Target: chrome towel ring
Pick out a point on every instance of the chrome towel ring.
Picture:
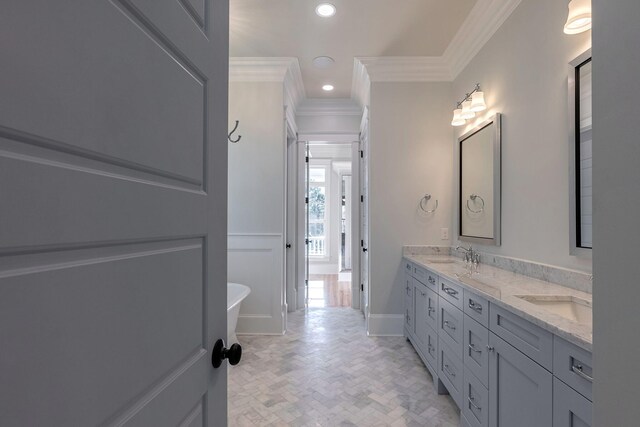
(474, 198)
(424, 201)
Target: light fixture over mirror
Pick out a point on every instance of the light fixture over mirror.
(466, 109)
(579, 19)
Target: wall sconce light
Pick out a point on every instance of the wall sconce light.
(579, 19)
(467, 108)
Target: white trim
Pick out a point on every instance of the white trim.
(485, 18)
(345, 137)
(329, 107)
(385, 325)
(406, 68)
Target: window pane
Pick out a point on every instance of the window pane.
(317, 174)
(316, 229)
(317, 200)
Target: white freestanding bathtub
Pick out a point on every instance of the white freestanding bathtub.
(235, 294)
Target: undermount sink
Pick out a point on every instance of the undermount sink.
(569, 307)
(441, 261)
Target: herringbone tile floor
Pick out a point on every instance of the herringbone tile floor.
(326, 372)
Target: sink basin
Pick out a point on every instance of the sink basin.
(569, 307)
(441, 261)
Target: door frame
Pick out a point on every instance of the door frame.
(352, 139)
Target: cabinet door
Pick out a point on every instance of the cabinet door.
(476, 356)
(520, 390)
(408, 304)
(420, 295)
(570, 408)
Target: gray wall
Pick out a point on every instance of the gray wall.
(410, 154)
(523, 72)
(616, 153)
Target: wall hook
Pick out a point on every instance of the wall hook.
(231, 133)
(424, 201)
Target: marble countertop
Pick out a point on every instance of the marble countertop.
(502, 287)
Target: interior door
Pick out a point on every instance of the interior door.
(290, 224)
(306, 226)
(113, 180)
(364, 219)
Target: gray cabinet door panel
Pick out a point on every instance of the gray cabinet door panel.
(113, 176)
(421, 326)
(574, 366)
(432, 309)
(450, 371)
(520, 390)
(570, 408)
(475, 401)
(409, 304)
(530, 339)
(476, 355)
(451, 328)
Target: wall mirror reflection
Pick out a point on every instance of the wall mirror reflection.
(480, 182)
(581, 163)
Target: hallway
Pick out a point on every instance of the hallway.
(326, 372)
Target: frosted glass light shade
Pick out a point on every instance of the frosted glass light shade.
(457, 120)
(477, 102)
(466, 111)
(579, 18)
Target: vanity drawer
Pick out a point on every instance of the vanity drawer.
(450, 371)
(574, 366)
(408, 267)
(419, 273)
(475, 401)
(450, 328)
(451, 292)
(433, 281)
(476, 355)
(530, 339)
(476, 307)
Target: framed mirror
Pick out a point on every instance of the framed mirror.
(480, 183)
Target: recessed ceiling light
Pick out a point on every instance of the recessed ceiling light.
(326, 10)
(323, 62)
(327, 88)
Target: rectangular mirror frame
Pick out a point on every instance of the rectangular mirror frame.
(496, 122)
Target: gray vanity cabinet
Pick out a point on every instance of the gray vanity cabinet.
(570, 408)
(409, 306)
(520, 390)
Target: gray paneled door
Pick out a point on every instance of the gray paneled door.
(113, 180)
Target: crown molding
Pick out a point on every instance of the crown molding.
(280, 70)
(485, 18)
(405, 68)
(329, 107)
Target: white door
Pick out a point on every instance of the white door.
(113, 180)
(364, 219)
(290, 224)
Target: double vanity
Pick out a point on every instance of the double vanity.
(511, 350)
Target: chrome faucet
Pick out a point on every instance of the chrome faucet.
(471, 257)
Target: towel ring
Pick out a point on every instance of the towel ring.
(424, 201)
(473, 198)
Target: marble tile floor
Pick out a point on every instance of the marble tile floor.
(325, 371)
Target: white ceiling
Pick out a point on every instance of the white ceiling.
(290, 28)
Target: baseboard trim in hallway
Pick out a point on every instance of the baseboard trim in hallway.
(325, 371)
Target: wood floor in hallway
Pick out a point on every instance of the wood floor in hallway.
(327, 290)
(325, 371)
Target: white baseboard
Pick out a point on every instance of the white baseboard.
(260, 325)
(385, 325)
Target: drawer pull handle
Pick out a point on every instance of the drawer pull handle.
(450, 291)
(474, 349)
(446, 369)
(449, 325)
(578, 370)
(475, 306)
(470, 399)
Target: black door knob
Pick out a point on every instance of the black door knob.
(288, 245)
(364, 249)
(220, 352)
